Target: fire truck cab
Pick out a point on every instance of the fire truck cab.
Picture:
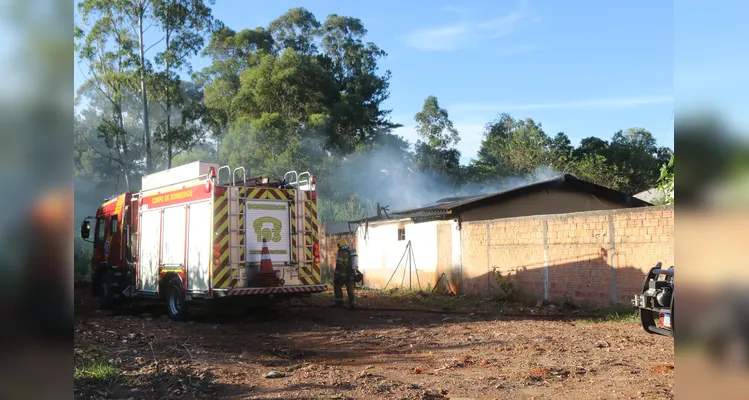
(195, 233)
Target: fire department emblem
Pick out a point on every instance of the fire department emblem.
(269, 234)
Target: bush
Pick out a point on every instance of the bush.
(506, 285)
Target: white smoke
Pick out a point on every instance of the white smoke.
(384, 177)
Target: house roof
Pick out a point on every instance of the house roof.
(457, 204)
(651, 195)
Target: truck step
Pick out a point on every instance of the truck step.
(664, 332)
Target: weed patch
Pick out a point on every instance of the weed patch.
(98, 373)
(614, 314)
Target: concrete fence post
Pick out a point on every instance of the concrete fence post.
(488, 263)
(545, 227)
(612, 257)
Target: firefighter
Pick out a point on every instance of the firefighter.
(344, 275)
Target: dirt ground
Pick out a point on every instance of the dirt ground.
(318, 352)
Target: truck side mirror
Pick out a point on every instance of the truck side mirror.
(85, 229)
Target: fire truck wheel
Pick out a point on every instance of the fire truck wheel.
(177, 309)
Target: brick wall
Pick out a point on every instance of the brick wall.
(594, 258)
(329, 246)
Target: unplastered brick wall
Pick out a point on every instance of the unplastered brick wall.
(589, 258)
(329, 245)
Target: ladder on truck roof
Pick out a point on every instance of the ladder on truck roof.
(303, 181)
(240, 262)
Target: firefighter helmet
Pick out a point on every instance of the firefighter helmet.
(342, 243)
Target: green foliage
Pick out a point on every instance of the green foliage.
(512, 148)
(434, 126)
(628, 163)
(331, 91)
(506, 286)
(99, 373)
(614, 314)
(434, 152)
(205, 152)
(594, 168)
(351, 210)
(666, 182)
(299, 95)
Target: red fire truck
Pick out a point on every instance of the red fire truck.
(194, 234)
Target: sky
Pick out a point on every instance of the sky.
(582, 67)
(711, 65)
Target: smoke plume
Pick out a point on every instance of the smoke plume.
(387, 177)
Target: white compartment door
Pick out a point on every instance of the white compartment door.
(148, 259)
(269, 220)
(199, 245)
(173, 237)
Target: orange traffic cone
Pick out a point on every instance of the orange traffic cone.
(266, 276)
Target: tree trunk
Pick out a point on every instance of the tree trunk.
(123, 155)
(168, 104)
(144, 95)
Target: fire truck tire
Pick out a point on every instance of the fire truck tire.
(647, 319)
(177, 308)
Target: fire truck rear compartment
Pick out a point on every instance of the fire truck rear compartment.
(188, 238)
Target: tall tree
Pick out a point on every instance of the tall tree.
(232, 53)
(326, 72)
(561, 145)
(513, 148)
(105, 47)
(594, 168)
(139, 12)
(594, 145)
(636, 148)
(353, 64)
(434, 151)
(184, 23)
(296, 29)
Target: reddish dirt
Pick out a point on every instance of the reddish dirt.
(339, 354)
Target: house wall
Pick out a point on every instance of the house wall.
(595, 258)
(380, 253)
(540, 203)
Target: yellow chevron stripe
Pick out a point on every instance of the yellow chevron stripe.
(223, 228)
(221, 208)
(220, 214)
(220, 276)
(311, 210)
(120, 202)
(252, 193)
